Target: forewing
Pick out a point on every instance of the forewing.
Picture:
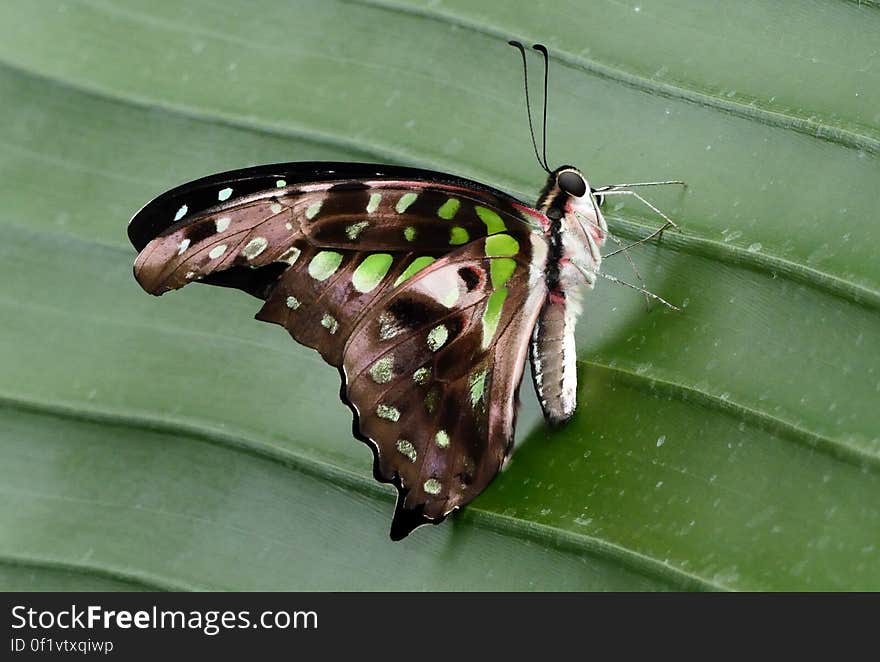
(325, 238)
(243, 228)
(237, 187)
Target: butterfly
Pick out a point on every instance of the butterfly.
(429, 292)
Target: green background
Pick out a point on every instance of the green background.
(175, 443)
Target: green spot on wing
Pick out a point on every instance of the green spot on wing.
(373, 204)
(313, 209)
(371, 271)
(405, 201)
(501, 245)
(324, 264)
(491, 219)
(478, 386)
(409, 233)
(458, 235)
(451, 297)
(448, 209)
(501, 269)
(414, 267)
(492, 314)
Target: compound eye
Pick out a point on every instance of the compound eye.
(572, 183)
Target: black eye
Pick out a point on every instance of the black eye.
(572, 183)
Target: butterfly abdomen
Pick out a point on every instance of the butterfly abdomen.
(554, 359)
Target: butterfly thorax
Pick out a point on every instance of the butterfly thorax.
(575, 234)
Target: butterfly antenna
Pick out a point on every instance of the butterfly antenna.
(543, 50)
(522, 52)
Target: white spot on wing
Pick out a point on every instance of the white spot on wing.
(254, 247)
(437, 337)
(422, 375)
(291, 255)
(432, 486)
(180, 213)
(182, 246)
(330, 323)
(442, 439)
(388, 412)
(217, 251)
(382, 371)
(388, 327)
(353, 230)
(224, 194)
(406, 448)
(222, 223)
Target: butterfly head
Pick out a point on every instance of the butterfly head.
(571, 181)
(568, 193)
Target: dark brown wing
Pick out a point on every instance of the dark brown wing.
(401, 286)
(433, 373)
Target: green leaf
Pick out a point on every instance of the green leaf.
(176, 443)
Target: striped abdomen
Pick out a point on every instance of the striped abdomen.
(554, 359)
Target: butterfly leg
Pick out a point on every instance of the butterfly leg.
(614, 279)
(621, 248)
(644, 240)
(669, 223)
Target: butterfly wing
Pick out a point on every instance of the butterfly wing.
(236, 188)
(422, 288)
